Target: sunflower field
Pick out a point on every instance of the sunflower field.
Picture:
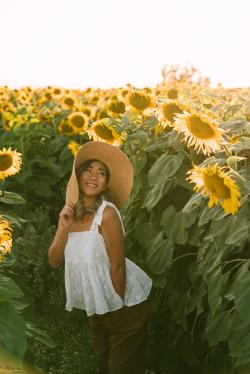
(187, 221)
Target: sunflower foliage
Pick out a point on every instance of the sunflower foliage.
(187, 221)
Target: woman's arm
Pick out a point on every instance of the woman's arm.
(56, 250)
(111, 230)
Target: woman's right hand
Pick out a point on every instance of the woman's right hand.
(66, 217)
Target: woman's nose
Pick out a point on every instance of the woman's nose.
(93, 174)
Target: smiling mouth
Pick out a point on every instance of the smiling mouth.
(91, 185)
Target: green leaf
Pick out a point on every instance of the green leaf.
(161, 178)
(12, 330)
(239, 340)
(210, 214)
(157, 192)
(194, 203)
(174, 225)
(165, 168)
(241, 289)
(160, 254)
(151, 122)
(139, 161)
(13, 218)
(217, 327)
(39, 335)
(11, 198)
(9, 289)
(239, 235)
(144, 233)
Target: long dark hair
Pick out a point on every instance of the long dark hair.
(80, 211)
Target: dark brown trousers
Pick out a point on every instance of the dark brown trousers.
(120, 339)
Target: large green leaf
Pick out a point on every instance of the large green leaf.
(12, 330)
(144, 232)
(195, 202)
(11, 198)
(175, 225)
(241, 289)
(9, 289)
(240, 234)
(239, 332)
(157, 192)
(160, 253)
(217, 327)
(139, 161)
(39, 335)
(165, 168)
(210, 214)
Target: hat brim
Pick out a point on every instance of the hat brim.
(121, 171)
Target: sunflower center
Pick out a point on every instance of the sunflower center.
(104, 132)
(139, 101)
(216, 185)
(78, 120)
(199, 128)
(169, 110)
(57, 91)
(117, 107)
(67, 129)
(172, 94)
(6, 162)
(69, 101)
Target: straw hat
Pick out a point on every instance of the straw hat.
(121, 171)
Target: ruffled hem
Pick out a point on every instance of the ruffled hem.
(89, 287)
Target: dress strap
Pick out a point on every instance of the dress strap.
(99, 214)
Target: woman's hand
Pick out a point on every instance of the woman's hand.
(66, 217)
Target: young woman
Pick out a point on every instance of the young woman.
(98, 277)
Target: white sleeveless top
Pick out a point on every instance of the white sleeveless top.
(88, 281)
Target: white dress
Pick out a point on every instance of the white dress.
(88, 281)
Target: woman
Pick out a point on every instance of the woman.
(98, 278)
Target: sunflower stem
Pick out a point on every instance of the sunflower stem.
(185, 255)
(236, 260)
(228, 152)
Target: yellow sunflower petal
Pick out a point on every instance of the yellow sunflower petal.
(10, 162)
(5, 238)
(213, 182)
(102, 131)
(199, 131)
(73, 147)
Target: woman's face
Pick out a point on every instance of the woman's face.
(93, 180)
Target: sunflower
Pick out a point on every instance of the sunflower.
(117, 106)
(68, 101)
(10, 162)
(214, 182)
(5, 237)
(73, 147)
(199, 131)
(101, 130)
(57, 93)
(172, 93)
(66, 128)
(140, 100)
(78, 120)
(87, 110)
(170, 109)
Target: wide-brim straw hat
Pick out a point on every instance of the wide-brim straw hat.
(121, 171)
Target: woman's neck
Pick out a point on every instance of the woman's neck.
(88, 202)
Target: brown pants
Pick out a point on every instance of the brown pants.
(120, 339)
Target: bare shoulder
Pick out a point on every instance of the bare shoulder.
(110, 215)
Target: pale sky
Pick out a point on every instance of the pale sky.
(108, 43)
